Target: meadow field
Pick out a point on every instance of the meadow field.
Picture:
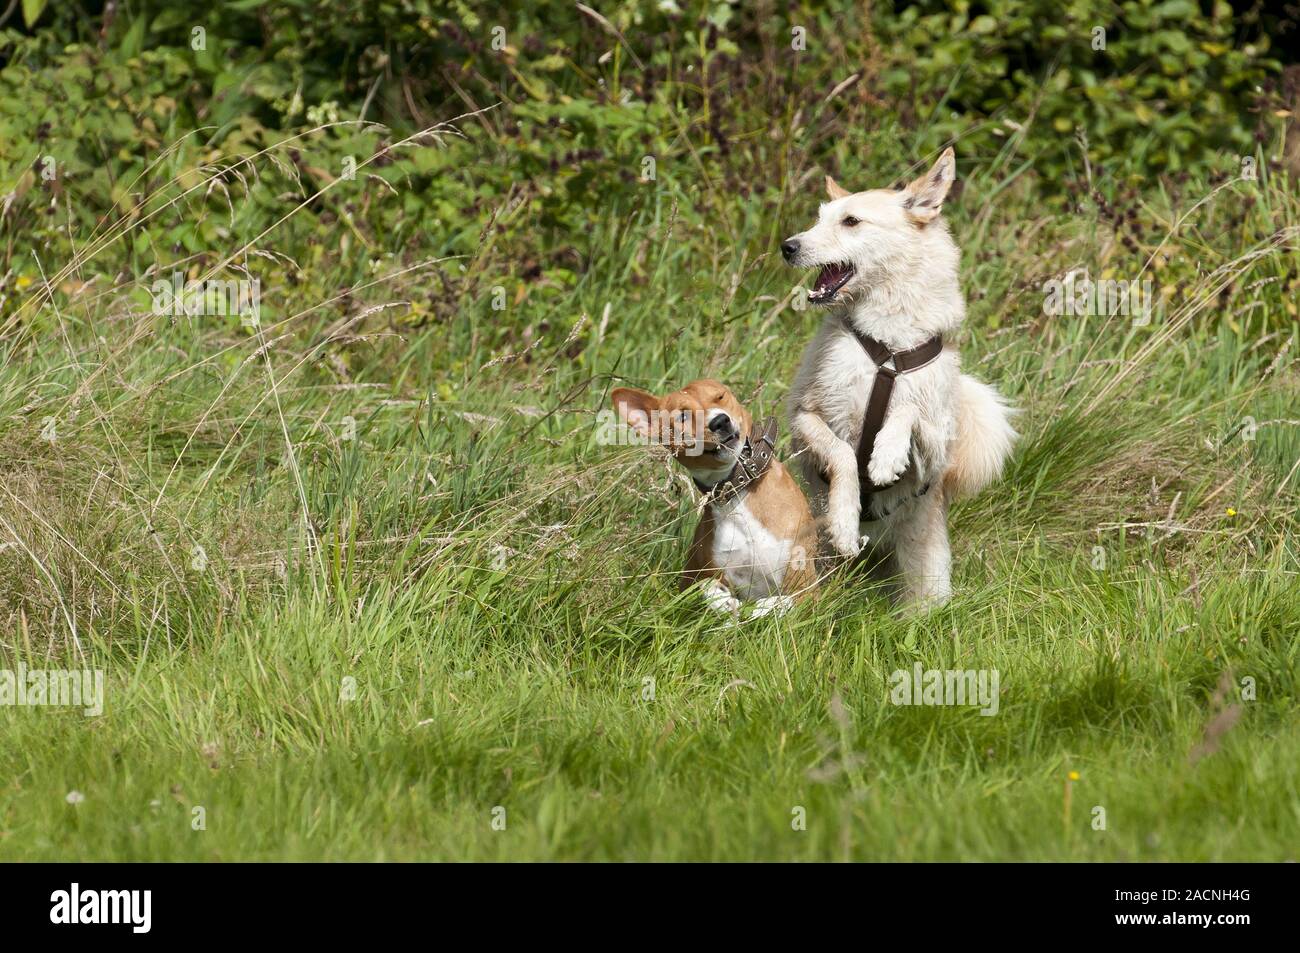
(366, 580)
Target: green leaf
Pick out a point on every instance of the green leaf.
(133, 42)
(32, 10)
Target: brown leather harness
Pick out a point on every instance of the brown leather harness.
(889, 364)
(751, 464)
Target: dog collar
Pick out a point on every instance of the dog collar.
(889, 364)
(751, 464)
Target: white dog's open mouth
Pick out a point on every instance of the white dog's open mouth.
(829, 281)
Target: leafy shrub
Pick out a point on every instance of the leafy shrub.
(565, 109)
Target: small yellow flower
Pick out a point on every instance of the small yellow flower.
(22, 282)
(1231, 511)
(1073, 775)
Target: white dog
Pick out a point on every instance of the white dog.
(889, 278)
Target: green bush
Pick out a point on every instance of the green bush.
(1162, 85)
(139, 124)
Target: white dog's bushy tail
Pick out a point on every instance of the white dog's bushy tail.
(983, 441)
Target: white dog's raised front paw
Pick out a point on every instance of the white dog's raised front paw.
(844, 535)
(887, 465)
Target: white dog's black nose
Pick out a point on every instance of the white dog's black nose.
(790, 248)
(721, 425)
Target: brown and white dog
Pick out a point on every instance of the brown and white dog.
(756, 539)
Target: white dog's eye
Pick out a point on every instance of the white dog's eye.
(849, 221)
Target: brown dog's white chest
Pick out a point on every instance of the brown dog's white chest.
(752, 558)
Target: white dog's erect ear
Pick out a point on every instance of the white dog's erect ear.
(834, 190)
(635, 407)
(925, 195)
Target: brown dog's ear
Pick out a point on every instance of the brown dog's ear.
(635, 407)
(925, 195)
(834, 190)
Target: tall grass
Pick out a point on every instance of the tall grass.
(356, 582)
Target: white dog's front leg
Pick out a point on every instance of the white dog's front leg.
(893, 447)
(837, 460)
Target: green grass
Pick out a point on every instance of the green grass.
(497, 586)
